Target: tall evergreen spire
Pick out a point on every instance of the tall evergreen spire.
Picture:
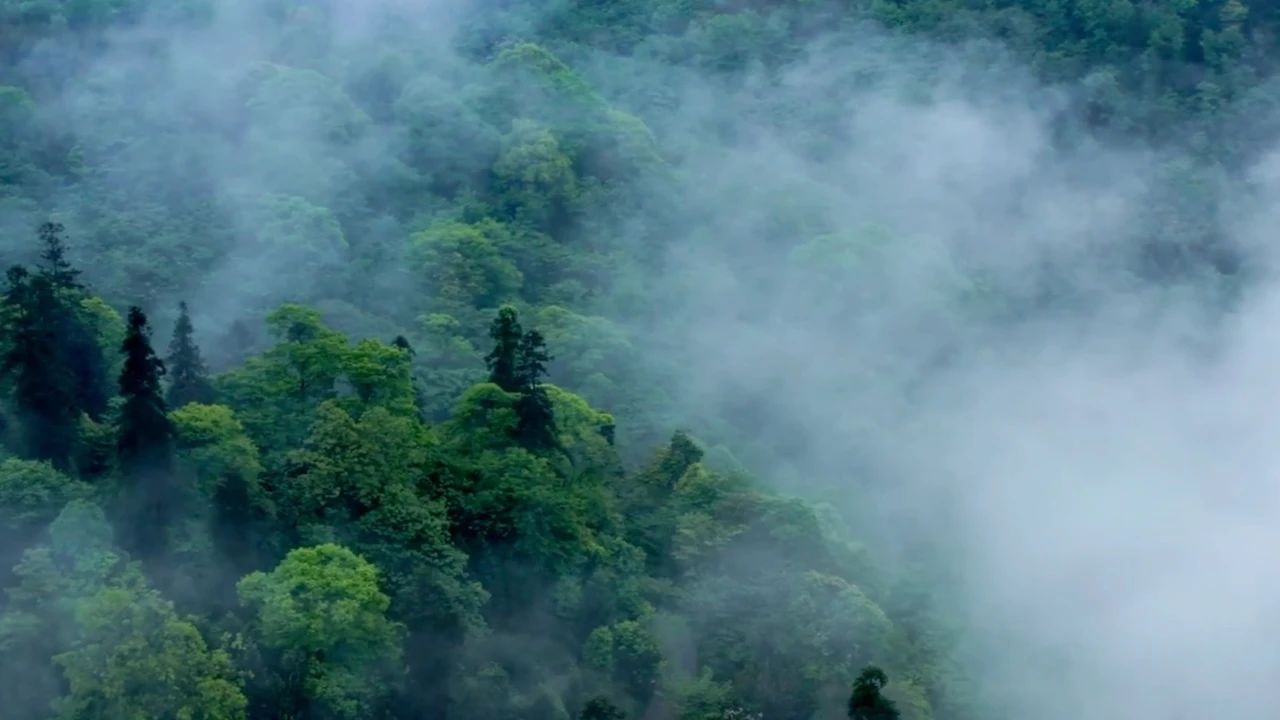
(188, 377)
(144, 445)
(503, 360)
(54, 255)
(536, 426)
(517, 364)
(44, 388)
(145, 432)
(78, 350)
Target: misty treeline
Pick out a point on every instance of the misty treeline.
(372, 232)
(290, 539)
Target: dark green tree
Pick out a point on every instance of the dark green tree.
(867, 703)
(599, 708)
(79, 351)
(536, 425)
(504, 360)
(188, 376)
(144, 443)
(44, 392)
(54, 255)
(146, 435)
(531, 361)
(419, 397)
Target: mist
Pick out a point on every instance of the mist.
(1097, 466)
(897, 276)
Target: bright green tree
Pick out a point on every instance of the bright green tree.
(321, 621)
(134, 659)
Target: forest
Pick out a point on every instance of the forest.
(579, 359)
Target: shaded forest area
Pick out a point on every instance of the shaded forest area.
(347, 488)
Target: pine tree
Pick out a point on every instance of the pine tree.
(79, 352)
(517, 364)
(144, 445)
(536, 425)
(188, 376)
(44, 392)
(145, 436)
(504, 359)
(54, 254)
(867, 703)
(531, 360)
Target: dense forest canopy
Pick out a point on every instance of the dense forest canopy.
(677, 360)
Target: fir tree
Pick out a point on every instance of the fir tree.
(144, 445)
(536, 425)
(44, 392)
(79, 352)
(146, 435)
(54, 255)
(503, 361)
(867, 703)
(517, 364)
(531, 360)
(188, 376)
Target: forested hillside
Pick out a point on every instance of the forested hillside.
(484, 359)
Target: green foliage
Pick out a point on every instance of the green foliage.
(188, 377)
(463, 268)
(451, 535)
(322, 617)
(52, 582)
(32, 493)
(145, 430)
(214, 450)
(276, 393)
(45, 388)
(150, 504)
(867, 702)
(135, 659)
(533, 177)
(504, 359)
(356, 480)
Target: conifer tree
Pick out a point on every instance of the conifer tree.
(146, 435)
(531, 360)
(79, 352)
(503, 361)
(536, 426)
(517, 364)
(43, 387)
(188, 376)
(144, 444)
(54, 255)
